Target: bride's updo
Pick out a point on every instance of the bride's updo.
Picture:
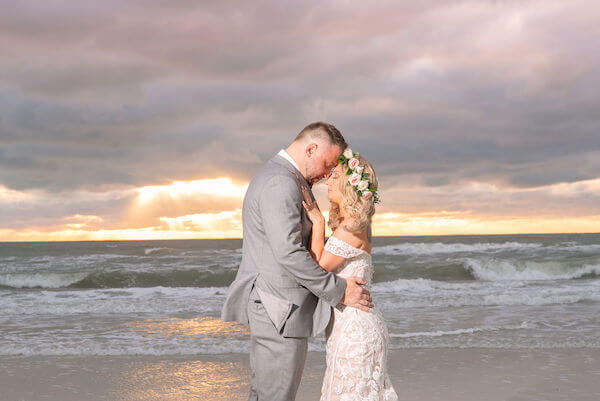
(359, 208)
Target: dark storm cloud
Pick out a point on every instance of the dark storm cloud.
(101, 95)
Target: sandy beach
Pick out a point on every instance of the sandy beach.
(418, 374)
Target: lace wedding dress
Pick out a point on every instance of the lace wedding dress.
(357, 341)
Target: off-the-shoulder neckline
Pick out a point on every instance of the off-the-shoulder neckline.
(351, 246)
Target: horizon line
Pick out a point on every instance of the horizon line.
(241, 238)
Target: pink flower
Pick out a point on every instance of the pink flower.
(353, 163)
(367, 194)
(354, 179)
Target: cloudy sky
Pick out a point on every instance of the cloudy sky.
(147, 119)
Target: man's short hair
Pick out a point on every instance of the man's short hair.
(323, 130)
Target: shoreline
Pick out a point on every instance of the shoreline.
(427, 374)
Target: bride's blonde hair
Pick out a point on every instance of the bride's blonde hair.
(357, 207)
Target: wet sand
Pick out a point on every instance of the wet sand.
(417, 374)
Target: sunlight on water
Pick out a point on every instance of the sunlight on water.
(207, 326)
(179, 381)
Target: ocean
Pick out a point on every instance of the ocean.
(165, 297)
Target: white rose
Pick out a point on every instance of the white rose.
(359, 169)
(354, 179)
(348, 153)
(367, 194)
(353, 163)
(362, 185)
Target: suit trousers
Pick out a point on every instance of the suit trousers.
(276, 362)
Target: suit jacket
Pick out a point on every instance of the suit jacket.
(296, 292)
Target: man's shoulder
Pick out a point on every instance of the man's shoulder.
(270, 166)
(274, 172)
(273, 177)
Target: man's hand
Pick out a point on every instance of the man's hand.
(356, 296)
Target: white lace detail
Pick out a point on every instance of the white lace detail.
(357, 341)
(342, 248)
(357, 263)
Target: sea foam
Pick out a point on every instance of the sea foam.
(423, 248)
(501, 269)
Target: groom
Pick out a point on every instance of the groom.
(280, 291)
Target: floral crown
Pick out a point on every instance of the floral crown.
(358, 179)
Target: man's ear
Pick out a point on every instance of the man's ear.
(311, 149)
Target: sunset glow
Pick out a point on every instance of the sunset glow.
(222, 187)
(135, 120)
(228, 223)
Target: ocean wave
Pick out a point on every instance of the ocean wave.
(424, 293)
(499, 270)
(226, 252)
(40, 280)
(572, 247)
(158, 251)
(489, 269)
(162, 251)
(163, 336)
(471, 330)
(53, 262)
(423, 248)
(193, 346)
(112, 302)
(118, 279)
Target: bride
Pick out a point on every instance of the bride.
(357, 341)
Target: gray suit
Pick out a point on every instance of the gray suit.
(279, 291)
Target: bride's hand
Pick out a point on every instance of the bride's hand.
(312, 209)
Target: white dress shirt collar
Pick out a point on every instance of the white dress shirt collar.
(286, 156)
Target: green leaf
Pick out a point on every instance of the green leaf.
(348, 172)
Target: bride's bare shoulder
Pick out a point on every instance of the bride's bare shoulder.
(356, 239)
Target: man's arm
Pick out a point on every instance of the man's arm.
(280, 208)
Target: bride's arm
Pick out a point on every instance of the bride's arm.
(326, 260)
(317, 239)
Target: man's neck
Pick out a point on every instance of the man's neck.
(294, 154)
